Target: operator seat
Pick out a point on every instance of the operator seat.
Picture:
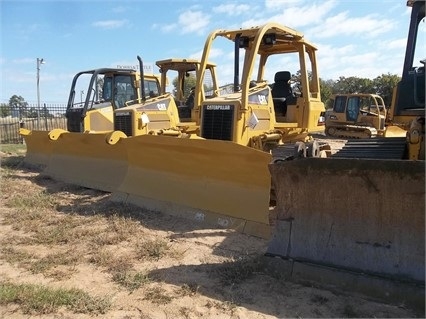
(281, 92)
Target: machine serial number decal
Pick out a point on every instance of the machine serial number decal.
(162, 106)
(260, 98)
(218, 107)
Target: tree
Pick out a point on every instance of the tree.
(188, 84)
(5, 110)
(384, 85)
(18, 106)
(326, 92)
(353, 84)
(296, 81)
(32, 112)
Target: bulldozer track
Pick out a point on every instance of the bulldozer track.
(379, 148)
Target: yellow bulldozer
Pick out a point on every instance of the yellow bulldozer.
(356, 115)
(170, 114)
(105, 90)
(362, 210)
(215, 166)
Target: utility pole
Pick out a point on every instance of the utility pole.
(39, 61)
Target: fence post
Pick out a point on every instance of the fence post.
(45, 116)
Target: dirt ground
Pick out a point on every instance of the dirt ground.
(144, 264)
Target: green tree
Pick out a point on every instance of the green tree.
(326, 92)
(384, 85)
(32, 112)
(5, 110)
(296, 81)
(18, 104)
(353, 84)
(188, 84)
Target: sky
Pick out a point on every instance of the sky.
(361, 38)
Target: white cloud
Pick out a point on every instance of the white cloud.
(119, 9)
(193, 21)
(214, 53)
(297, 16)
(394, 44)
(169, 27)
(24, 61)
(188, 22)
(109, 24)
(342, 24)
(278, 4)
(232, 9)
(359, 61)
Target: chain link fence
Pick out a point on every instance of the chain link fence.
(47, 118)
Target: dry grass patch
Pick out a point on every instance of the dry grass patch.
(118, 229)
(38, 201)
(101, 257)
(38, 299)
(109, 260)
(188, 289)
(14, 256)
(157, 295)
(153, 249)
(45, 264)
(131, 280)
(239, 269)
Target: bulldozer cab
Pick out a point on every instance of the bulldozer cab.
(96, 93)
(184, 73)
(251, 114)
(169, 113)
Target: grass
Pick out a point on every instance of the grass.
(34, 202)
(189, 289)
(13, 148)
(238, 270)
(153, 249)
(39, 299)
(158, 296)
(131, 280)
(43, 265)
(9, 163)
(14, 256)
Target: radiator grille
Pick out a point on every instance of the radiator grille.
(218, 122)
(382, 123)
(123, 123)
(74, 120)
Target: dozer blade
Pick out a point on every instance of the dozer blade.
(39, 147)
(90, 160)
(214, 182)
(362, 215)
